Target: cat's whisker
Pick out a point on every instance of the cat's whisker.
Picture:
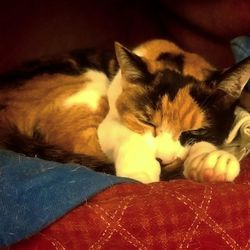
(232, 145)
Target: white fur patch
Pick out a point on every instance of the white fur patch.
(95, 87)
(168, 149)
(134, 154)
(205, 158)
(114, 91)
(135, 159)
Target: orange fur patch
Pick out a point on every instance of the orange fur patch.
(130, 121)
(194, 65)
(129, 118)
(180, 115)
(38, 104)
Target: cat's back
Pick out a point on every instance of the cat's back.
(160, 54)
(49, 92)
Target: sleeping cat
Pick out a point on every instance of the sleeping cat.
(138, 114)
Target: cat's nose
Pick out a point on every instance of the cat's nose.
(159, 160)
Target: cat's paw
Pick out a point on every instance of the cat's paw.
(216, 165)
(144, 172)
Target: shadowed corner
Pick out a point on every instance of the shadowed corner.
(172, 171)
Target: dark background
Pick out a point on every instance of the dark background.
(30, 29)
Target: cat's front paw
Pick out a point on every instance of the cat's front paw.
(215, 166)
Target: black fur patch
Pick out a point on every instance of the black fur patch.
(35, 146)
(37, 67)
(194, 136)
(169, 83)
(74, 63)
(176, 61)
(134, 61)
(167, 175)
(218, 111)
(95, 59)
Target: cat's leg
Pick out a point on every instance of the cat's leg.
(132, 153)
(207, 163)
(135, 159)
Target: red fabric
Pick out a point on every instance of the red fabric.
(179, 214)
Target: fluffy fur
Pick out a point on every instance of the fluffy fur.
(139, 114)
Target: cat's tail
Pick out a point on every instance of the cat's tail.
(12, 139)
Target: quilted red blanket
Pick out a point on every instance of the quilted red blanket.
(178, 214)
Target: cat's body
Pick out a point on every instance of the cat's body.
(150, 111)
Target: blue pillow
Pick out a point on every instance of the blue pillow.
(34, 193)
(241, 49)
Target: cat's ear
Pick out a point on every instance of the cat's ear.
(133, 68)
(233, 80)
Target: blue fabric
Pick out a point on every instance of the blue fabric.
(35, 192)
(241, 49)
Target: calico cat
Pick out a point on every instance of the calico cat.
(137, 114)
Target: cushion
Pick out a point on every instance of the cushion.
(177, 214)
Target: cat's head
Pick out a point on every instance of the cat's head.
(161, 98)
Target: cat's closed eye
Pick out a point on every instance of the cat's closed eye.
(150, 124)
(192, 136)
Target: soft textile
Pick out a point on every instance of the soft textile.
(34, 193)
(179, 214)
(238, 141)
